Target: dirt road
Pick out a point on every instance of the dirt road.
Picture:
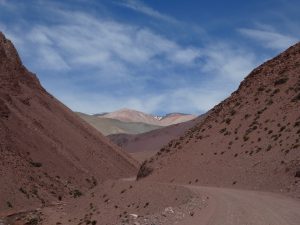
(241, 207)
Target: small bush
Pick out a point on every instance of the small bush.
(9, 205)
(223, 130)
(228, 120)
(36, 164)
(296, 98)
(76, 193)
(269, 148)
(281, 81)
(33, 221)
(246, 138)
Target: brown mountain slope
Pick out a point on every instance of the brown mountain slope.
(142, 146)
(46, 151)
(250, 140)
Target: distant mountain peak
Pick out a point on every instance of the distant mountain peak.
(132, 115)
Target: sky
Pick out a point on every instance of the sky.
(155, 56)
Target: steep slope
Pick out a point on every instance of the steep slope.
(129, 115)
(109, 126)
(250, 140)
(46, 152)
(141, 146)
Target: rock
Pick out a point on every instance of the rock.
(134, 216)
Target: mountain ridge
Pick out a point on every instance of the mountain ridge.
(249, 140)
(131, 115)
(47, 152)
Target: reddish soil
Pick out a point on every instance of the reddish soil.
(47, 152)
(251, 140)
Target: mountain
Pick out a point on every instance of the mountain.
(129, 115)
(250, 140)
(145, 145)
(47, 153)
(109, 126)
(176, 118)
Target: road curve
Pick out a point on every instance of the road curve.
(241, 207)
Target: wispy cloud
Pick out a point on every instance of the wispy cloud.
(134, 61)
(94, 63)
(112, 47)
(142, 8)
(269, 38)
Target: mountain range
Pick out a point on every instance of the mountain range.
(47, 152)
(239, 163)
(128, 121)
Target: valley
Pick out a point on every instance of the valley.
(238, 163)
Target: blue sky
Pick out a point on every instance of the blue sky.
(157, 56)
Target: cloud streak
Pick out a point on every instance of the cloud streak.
(269, 38)
(138, 6)
(95, 64)
(134, 61)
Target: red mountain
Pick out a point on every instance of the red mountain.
(46, 151)
(250, 140)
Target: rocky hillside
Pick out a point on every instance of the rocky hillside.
(47, 152)
(250, 140)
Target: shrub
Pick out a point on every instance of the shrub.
(223, 130)
(76, 193)
(247, 116)
(296, 98)
(246, 138)
(281, 81)
(36, 164)
(228, 120)
(33, 221)
(9, 205)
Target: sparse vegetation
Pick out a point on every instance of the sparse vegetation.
(9, 205)
(36, 164)
(76, 193)
(281, 81)
(33, 221)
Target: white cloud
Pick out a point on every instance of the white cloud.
(142, 8)
(50, 59)
(114, 57)
(230, 62)
(269, 38)
(83, 40)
